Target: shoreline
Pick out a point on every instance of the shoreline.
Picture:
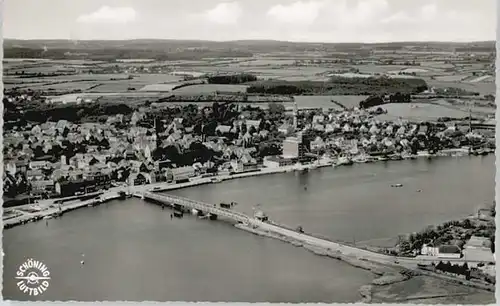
(112, 193)
(384, 274)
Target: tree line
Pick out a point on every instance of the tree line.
(454, 269)
(341, 86)
(372, 101)
(232, 79)
(40, 113)
(111, 54)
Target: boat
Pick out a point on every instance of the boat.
(397, 185)
(344, 161)
(216, 180)
(362, 158)
(178, 214)
(397, 157)
(482, 152)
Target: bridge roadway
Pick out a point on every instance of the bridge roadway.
(346, 250)
(206, 208)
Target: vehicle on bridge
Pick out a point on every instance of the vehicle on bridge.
(261, 216)
(225, 205)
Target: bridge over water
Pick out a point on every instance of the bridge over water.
(347, 250)
(204, 207)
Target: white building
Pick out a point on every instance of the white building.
(275, 162)
(182, 173)
(429, 250)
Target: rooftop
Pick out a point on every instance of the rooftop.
(449, 249)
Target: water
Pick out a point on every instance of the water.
(358, 203)
(134, 251)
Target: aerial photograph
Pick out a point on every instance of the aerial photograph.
(283, 151)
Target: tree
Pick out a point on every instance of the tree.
(404, 246)
(276, 109)
(243, 129)
(465, 268)
(466, 224)
(440, 266)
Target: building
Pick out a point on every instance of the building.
(252, 123)
(276, 162)
(478, 249)
(429, 250)
(182, 173)
(484, 214)
(42, 187)
(136, 179)
(10, 167)
(36, 165)
(296, 147)
(449, 251)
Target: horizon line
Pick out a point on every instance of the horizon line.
(253, 40)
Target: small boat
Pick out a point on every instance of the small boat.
(483, 152)
(216, 180)
(344, 161)
(397, 157)
(397, 185)
(178, 214)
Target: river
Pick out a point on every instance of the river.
(134, 251)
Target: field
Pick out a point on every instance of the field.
(209, 89)
(419, 111)
(315, 67)
(158, 87)
(410, 291)
(483, 88)
(326, 101)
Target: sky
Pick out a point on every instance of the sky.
(289, 20)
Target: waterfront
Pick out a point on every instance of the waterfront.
(357, 203)
(149, 256)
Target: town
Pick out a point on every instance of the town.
(77, 133)
(174, 144)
